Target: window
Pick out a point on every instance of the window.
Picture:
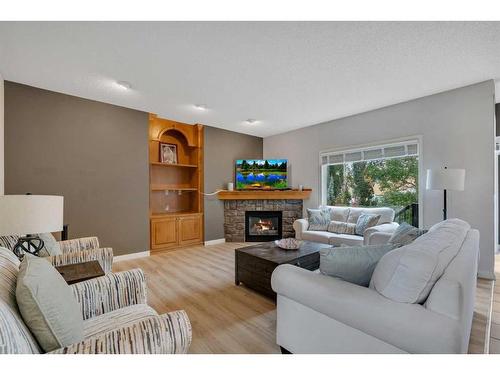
(384, 175)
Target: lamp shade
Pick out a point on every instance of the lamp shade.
(30, 214)
(445, 179)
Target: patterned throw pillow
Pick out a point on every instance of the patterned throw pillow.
(341, 227)
(366, 221)
(318, 218)
(405, 234)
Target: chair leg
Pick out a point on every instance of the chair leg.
(284, 351)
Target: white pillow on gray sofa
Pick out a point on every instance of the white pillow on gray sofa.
(409, 273)
(354, 264)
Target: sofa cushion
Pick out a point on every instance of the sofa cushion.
(366, 221)
(317, 236)
(354, 264)
(341, 227)
(47, 304)
(408, 274)
(110, 321)
(345, 239)
(405, 234)
(386, 214)
(318, 218)
(338, 213)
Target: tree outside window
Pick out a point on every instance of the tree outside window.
(385, 182)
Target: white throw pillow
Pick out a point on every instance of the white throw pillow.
(51, 246)
(409, 273)
(47, 304)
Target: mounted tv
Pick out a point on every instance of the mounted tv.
(253, 174)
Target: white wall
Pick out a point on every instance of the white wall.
(457, 130)
(1, 136)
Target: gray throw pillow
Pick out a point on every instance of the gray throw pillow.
(366, 221)
(318, 218)
(405, 234)
(354, 264)
(47, 304)
(51, 246)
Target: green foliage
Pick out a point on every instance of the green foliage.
(395, 180)
(395, 174)
(362, 187)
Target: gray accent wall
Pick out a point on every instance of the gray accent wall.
(94, 154)
(457, 128)
(222, 148)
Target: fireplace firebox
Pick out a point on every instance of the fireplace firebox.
(263, 226)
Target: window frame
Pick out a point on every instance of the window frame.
(417, 139)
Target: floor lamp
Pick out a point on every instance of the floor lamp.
(445, 179)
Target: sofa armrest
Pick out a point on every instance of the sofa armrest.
(388, 229)
(103, 256)
(110, 292)
(164, 334)
(300, 225)
(410, 327)
(79, 244)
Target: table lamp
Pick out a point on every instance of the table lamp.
(445, 179)
(27, 215)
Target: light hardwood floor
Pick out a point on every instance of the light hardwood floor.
(233, 319)
(495, 321)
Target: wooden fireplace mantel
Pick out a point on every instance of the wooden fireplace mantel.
(264, 194)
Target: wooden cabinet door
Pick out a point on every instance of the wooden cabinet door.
(163, 233)
(190, 229)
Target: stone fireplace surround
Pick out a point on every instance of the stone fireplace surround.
(234, 215)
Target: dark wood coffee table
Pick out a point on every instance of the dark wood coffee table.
(78, 272)
(255, 264)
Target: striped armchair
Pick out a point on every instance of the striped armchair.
(116, 317)
(73, 251)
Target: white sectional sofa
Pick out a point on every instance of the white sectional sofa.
(378, 234)
(322, 314)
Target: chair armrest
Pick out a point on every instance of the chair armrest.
(300, 225)
(377, 238)
(103, 256)
(388, 229)
(410, 327)
(110, 292)
(164, 334)
(79, 244)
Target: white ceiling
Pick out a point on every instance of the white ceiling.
(287, 75)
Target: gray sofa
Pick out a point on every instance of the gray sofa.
(378, 234)
(322, 314)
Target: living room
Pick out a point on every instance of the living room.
(249, 187)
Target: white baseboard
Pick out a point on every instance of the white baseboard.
(141, 254)
(215, 242)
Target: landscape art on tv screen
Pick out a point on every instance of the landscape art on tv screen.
(261, 174)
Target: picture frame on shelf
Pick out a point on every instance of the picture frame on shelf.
(168, 153)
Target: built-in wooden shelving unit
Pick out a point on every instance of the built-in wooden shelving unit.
(176, 200)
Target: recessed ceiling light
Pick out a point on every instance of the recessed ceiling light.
(201, 107)
(124, 85)
(251, 121)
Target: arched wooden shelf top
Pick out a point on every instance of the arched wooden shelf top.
(174, 132)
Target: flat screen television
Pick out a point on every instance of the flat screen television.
(253, 174)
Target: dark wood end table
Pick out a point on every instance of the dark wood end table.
(78, 272)
(255, 264)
